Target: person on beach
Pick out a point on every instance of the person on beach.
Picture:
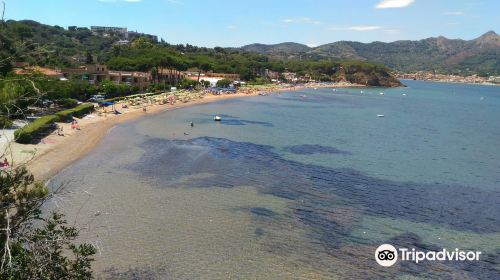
(76, 125)
(144, 109)
(60, 130)
(192, 124)
(4, 164)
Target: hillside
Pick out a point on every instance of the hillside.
(480, 55)
(277, 49)
(55, 46)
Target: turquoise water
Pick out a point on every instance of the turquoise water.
(297, 185)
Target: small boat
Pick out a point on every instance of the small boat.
(381, 93)
(404, 94)
(217, 119)
(361, 91)
(380, 116)
(302, 96)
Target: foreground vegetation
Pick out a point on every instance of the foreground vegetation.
(33, 246)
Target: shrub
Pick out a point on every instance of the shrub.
(45, 125)
(5, 122)
(36, 129)
(79, 111)
(67, 103)
(187, 84)
(224, 83)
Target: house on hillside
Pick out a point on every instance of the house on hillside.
(93, 73)
(211, 77)
(169, 75)
(271, 74)
(138, 79)
(290, 76)
(97, 73)
(106, 30)
(53, 73)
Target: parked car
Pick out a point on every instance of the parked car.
(96, 98)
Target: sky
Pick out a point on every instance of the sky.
(236, 23)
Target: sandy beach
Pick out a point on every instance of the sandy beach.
(54, 152)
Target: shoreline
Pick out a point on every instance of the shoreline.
(54, 153)
(452, 82)
(49, 162)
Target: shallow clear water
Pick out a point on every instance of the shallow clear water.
(289, 186)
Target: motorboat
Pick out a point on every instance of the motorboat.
(380, 116)
(217, 118)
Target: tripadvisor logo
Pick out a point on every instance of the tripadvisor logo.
(387, 255)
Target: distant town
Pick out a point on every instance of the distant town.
(429, 76)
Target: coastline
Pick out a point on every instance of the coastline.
(451, 82)
(47, 162)
(54, 153)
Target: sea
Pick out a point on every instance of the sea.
(296, 185)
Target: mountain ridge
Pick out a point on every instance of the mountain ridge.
(479, 55)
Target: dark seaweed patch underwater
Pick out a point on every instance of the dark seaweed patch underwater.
(331, 202)
(308, 149)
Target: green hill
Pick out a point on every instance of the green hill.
(54, 46)
(480, 55)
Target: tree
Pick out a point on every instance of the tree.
(205, 83)
(32, 246)
(23, 31)
(203, 67)
(142, 43)
(224, 83)
(46, 251)
(89, 58)
(187, 84)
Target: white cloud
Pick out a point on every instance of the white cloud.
(360, 28)
(364, 27)
(303, 20)
(454, 13)
(384, 4)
